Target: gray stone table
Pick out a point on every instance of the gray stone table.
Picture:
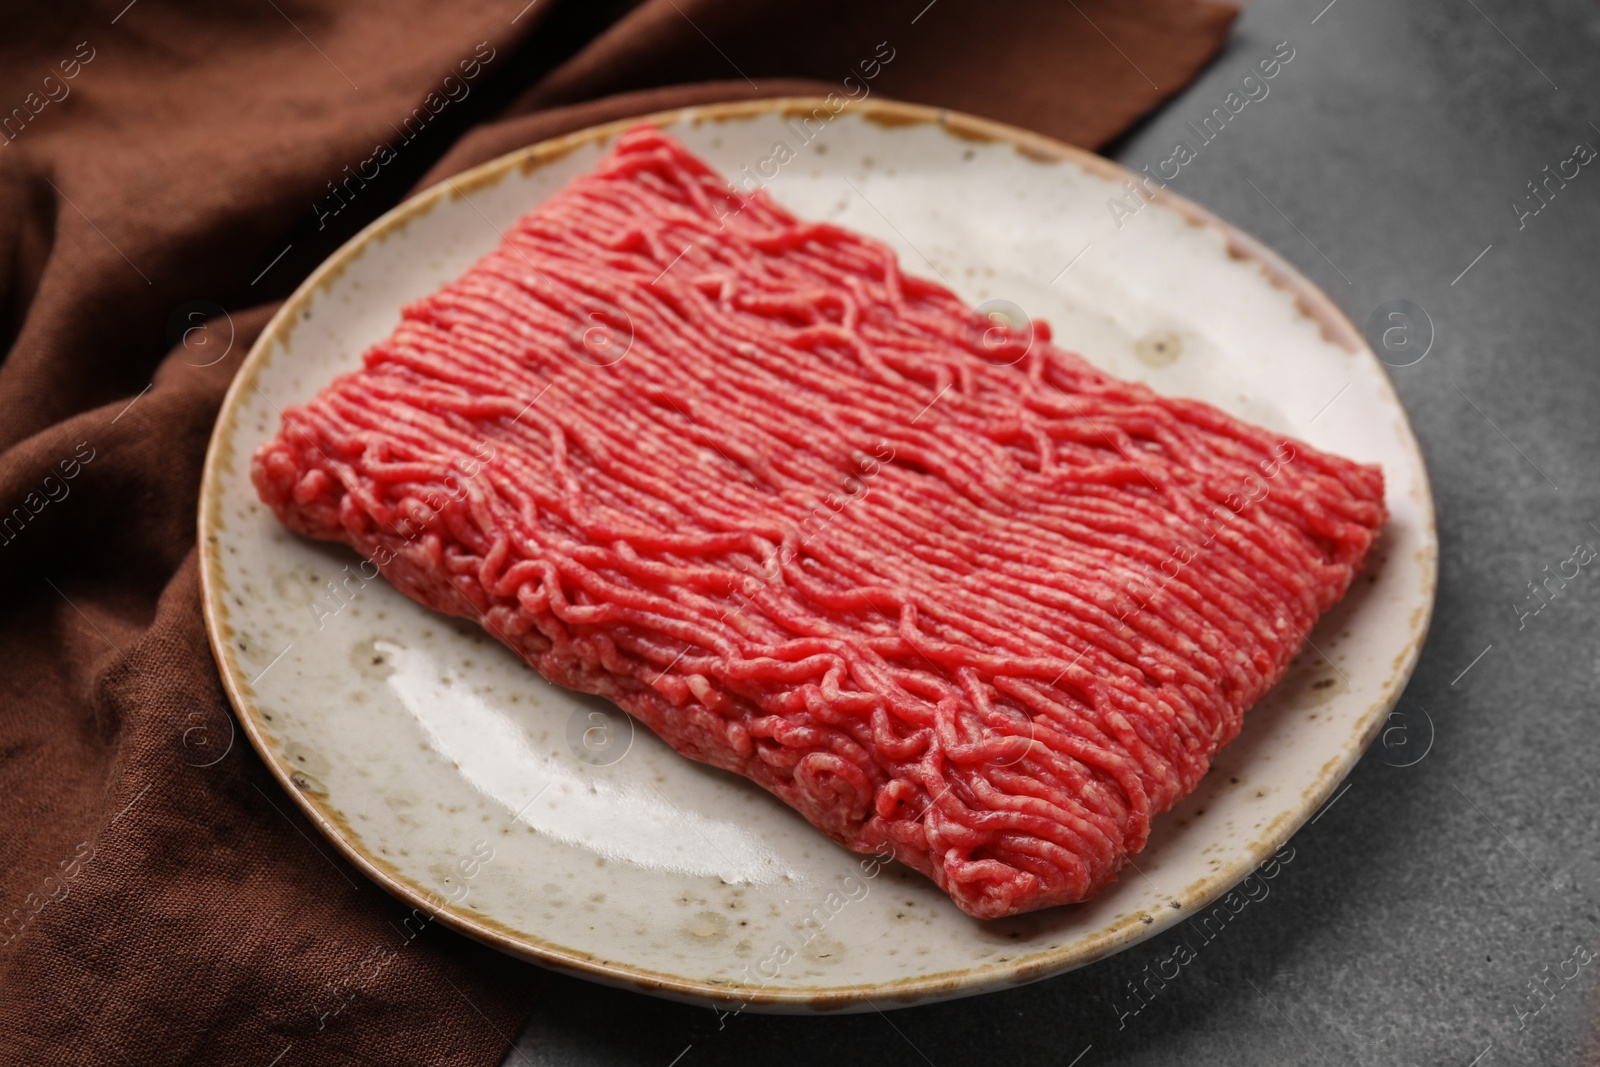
(1445, 912)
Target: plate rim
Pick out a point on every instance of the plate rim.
(1316, 305)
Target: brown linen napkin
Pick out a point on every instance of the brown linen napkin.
(162, 900)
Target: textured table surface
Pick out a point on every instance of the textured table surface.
(1442, 909)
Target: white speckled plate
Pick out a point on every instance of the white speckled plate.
(538, 821)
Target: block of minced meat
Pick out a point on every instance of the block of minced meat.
(943, 587)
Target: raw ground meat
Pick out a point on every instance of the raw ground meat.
(941, 586)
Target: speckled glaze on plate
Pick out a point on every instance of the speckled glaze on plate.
(542, 822)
